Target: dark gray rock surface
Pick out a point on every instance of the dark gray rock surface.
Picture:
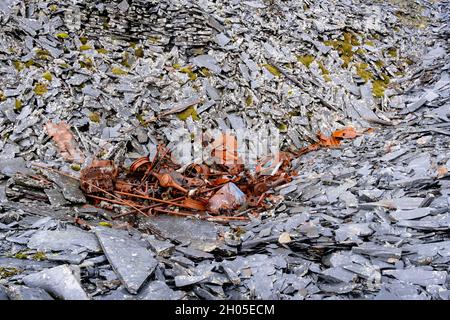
(26, 293)
(59, 281)
(132, 262)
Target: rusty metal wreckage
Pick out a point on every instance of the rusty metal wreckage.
(218, 192)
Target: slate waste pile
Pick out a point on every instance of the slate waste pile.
(355, 207)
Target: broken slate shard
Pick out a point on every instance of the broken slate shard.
(411, 214)
(59, 281)
(160, 247)
(3, 295)
(418, 276)
(159, 290)
(201, 235)
(132, 262)
(9, 167)
(70, 187)
(374, 250)
(71, 240)
(17, 292)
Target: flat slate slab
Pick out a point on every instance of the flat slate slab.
(374, 250)
(3, 295)
(26, 293)
(159, 290)
(70, 187)
(59, 281)
(25, 264)
(418, 276)
(49, 240)
(201, 235)
(132, 262)
(410, 214)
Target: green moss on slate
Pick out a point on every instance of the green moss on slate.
(154, 39)
(392, 52)
(18, 65)
(188, 70)
(75, 167)
(344, 47)
(379, 86)
(325, 71)
(105, 224)
(272, 69)
(379, 64)
(306, 59)
(40, 88)
(20, 255)
(32, 63)
(139, 52)
(118, 72)
(94, 117)
(85, 47)
(43, 54)
(62, 35)
(86, 62)
(7, 272)
(126, 60)
(283, 127)
(39, 256)
(47, 76)
(18, 105)
(204, 72)
(361, 70)
(141, 119)
(189, 112)
(249, 100)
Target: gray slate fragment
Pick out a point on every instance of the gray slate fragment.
(48, 240)
(160, 247)
(418, 276)
(374, 250)
(16, 292)
(352, 231)
(207, 61)
(222, 40)
(339, 288)
(200, 234)
(405, 203)
(59, 281)
(159, 290)
(25, 264)
(393, 155)
(3, 295)
(70, 187)
(399, 291)
(3, 197)
(410, 214)
(55, 197)
(67, 258)
(9, 167)
(181, 281)
(194, 253)
(338, 274)
(130, 260)
(430, 249)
